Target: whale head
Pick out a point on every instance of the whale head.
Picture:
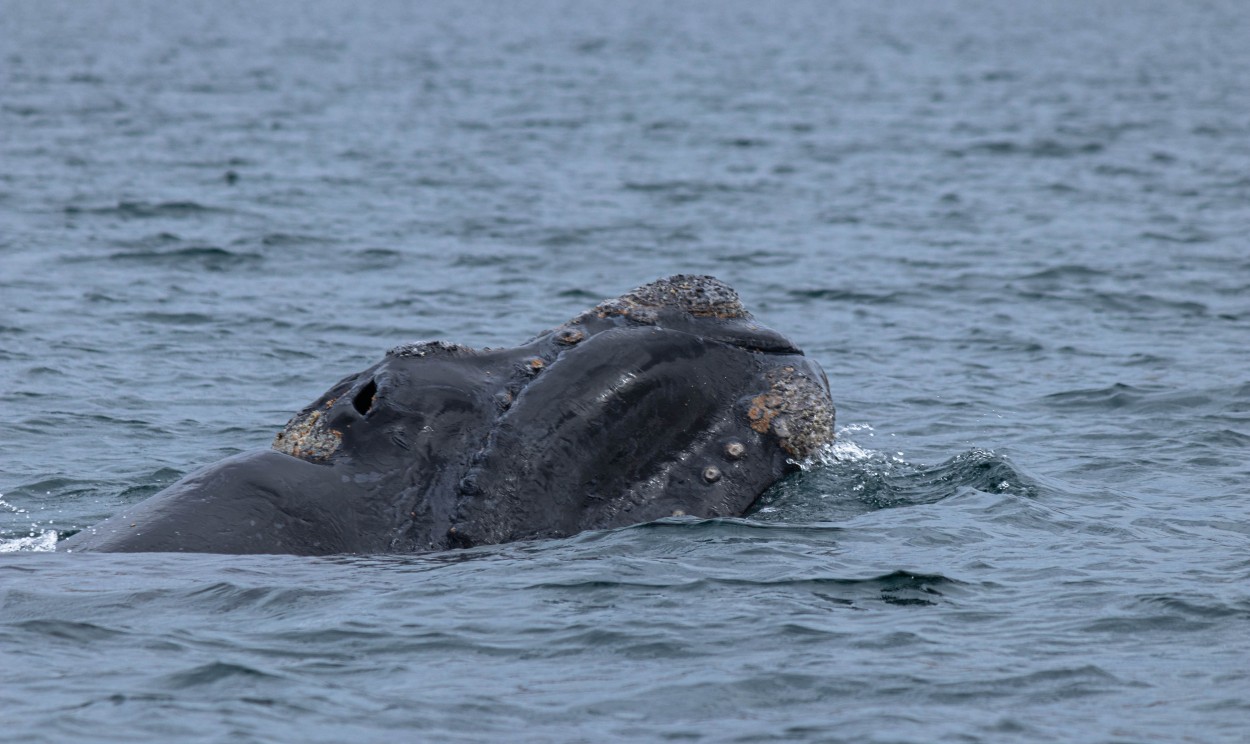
(668, 400)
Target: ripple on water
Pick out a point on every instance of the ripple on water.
(1142, 399)
(214, 673)
(197, 258)
(845, 480)
(958, 208)
(148, 210)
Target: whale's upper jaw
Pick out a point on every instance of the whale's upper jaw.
(702, 306)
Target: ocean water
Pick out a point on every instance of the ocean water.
(1014, 234)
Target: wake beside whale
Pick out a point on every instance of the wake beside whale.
(668, 400)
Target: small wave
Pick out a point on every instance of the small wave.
(206, 257)
(1046, 685)
(151, 252)
(1141, 304)
(43, 542)
(279, 239)
(545, 122)
(846, 295)
(744, 526)
(1065, 274)
(68, 630)
(1139, 399)
(37, 540)
(519, 263)
(176, 318)
(756, 258)
(895, 582)
(372, 259)
(1041, 148)
(745, 142)
(147, 210)
(579, 294)
(678, 185)
(149, 484)
(845, 479)
(1189, 237)
(1199, 607)
(685, 191)
(213, 672)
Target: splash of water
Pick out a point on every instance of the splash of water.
(843, 449)
(44, 542)
(38, 541)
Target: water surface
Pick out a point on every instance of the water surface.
(1013, 234)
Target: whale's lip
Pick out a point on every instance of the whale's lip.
(752, 337)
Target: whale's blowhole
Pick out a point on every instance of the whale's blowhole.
(363, 401)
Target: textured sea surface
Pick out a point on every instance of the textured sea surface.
(1015, 235)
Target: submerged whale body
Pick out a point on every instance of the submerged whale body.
(668, 400)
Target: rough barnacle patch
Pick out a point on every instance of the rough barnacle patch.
(702, 296)
(623, 307)
(307, 437)
(429, 348)
(796, 409)
(570, 336)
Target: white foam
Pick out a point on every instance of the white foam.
(44, 542)
(6, 505)
(844, 449)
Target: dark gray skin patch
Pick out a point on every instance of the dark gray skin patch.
(670, 399)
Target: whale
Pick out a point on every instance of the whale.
(669, 400)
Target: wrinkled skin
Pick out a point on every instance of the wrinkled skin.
(668, 400)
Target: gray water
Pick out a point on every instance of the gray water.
(1014, 234)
